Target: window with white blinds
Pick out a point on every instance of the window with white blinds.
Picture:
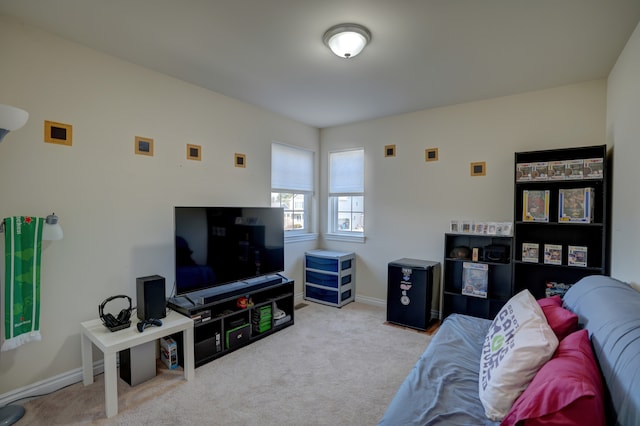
(291, 168)
(346, 192)
(346, 172)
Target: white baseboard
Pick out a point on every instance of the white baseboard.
(49, 385)
(383, 304)
(74, 376)
(371, 301)
(298, 298)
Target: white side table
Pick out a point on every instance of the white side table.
(110, 343)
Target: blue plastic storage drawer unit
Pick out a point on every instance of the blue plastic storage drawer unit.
(329, 277)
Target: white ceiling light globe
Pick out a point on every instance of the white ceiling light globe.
(347, 40)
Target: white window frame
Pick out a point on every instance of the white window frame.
(292, 172)
(345, 179)
(305, 210)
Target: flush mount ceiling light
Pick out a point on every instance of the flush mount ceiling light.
(347, 40)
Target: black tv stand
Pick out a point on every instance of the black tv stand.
(222, 324)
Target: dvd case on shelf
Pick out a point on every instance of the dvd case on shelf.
(575, 205)
(504, 228)
(523, 172)
(475, 278)
(577, 256)
(535, 205)
(530, 252)
(553, 254)
(574, 169)
(540, 171)
(557, 170)
(480, 228)
(593, 168)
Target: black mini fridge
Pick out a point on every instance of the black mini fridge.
(413, 288)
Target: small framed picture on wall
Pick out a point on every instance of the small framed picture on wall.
(144, 146)
(478, 168)
(240, 160)
(194, 152)
(431, 154)
(390, 151)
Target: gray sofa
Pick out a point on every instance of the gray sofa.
(442, 388)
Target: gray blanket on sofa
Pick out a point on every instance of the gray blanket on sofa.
(442, 388)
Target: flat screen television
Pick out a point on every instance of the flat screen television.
(220, 245)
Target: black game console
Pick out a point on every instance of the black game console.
(151, 297)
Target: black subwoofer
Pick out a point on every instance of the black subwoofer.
(151, 297)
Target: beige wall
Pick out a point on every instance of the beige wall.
(116, 208)
(409, 202)
(623, 132)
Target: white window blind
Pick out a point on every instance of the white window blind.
(346, 172)
(291, 168)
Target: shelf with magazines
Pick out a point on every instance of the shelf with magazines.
(561, 203)
(477, 274)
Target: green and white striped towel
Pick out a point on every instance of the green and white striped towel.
(23, 247)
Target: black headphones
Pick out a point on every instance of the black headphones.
(124, 317)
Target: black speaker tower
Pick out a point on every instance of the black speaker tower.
(151, 297)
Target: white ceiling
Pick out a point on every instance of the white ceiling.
(424, 53)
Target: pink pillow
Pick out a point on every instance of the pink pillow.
(553, 300)
(562, 321)
(567, 390)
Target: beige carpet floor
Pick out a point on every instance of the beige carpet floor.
(332, 367)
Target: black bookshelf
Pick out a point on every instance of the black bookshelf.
(499, 271)
(561, 235)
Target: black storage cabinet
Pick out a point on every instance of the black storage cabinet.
(412, 288)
